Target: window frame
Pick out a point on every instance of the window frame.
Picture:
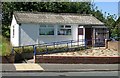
(46, 27)
(65, 29)
(80, 31)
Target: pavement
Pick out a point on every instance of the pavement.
(32, 67)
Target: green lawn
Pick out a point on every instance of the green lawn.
(5, 47)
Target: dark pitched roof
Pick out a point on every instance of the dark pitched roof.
(56, 18)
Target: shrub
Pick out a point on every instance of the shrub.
(5, 46)
(49, 49)
(25, 49)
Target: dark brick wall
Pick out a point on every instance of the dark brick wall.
(76, 60)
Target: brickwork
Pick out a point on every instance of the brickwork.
(114, 45)
(76, 59)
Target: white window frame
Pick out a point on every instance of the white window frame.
(46, 27)
(64, 28)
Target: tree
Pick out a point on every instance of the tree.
(116, 30)
(58, 7)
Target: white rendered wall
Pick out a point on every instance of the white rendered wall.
(75, 32)
(14, 39)
(29, 34)
(54, 38)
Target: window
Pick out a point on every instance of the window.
(80, 31)
(64, 30)
(13, 31)
(46, 30)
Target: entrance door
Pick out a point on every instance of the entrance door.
(88, 36)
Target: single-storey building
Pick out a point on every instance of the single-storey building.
(29, 28)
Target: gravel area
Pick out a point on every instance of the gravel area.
(101, 51)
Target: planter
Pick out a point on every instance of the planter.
(8, 59)
(77, 59)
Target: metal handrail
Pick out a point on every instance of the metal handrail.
(56, 43)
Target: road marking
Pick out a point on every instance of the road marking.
(28, 67)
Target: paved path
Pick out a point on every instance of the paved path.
(8, 67)
(80, 67)
(28, 67)
(21, 67)
(59, 67)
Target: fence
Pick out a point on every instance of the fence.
(65, 46)
(61, 46)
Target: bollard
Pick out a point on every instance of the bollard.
(34, 53)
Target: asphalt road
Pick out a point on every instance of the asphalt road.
(61, 77)
(63, 74)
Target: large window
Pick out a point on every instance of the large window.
(46, 30)
(64, 30)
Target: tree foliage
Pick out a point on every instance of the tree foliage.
(57, 7)
(116, 30)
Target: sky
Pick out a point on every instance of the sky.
(108, 7)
